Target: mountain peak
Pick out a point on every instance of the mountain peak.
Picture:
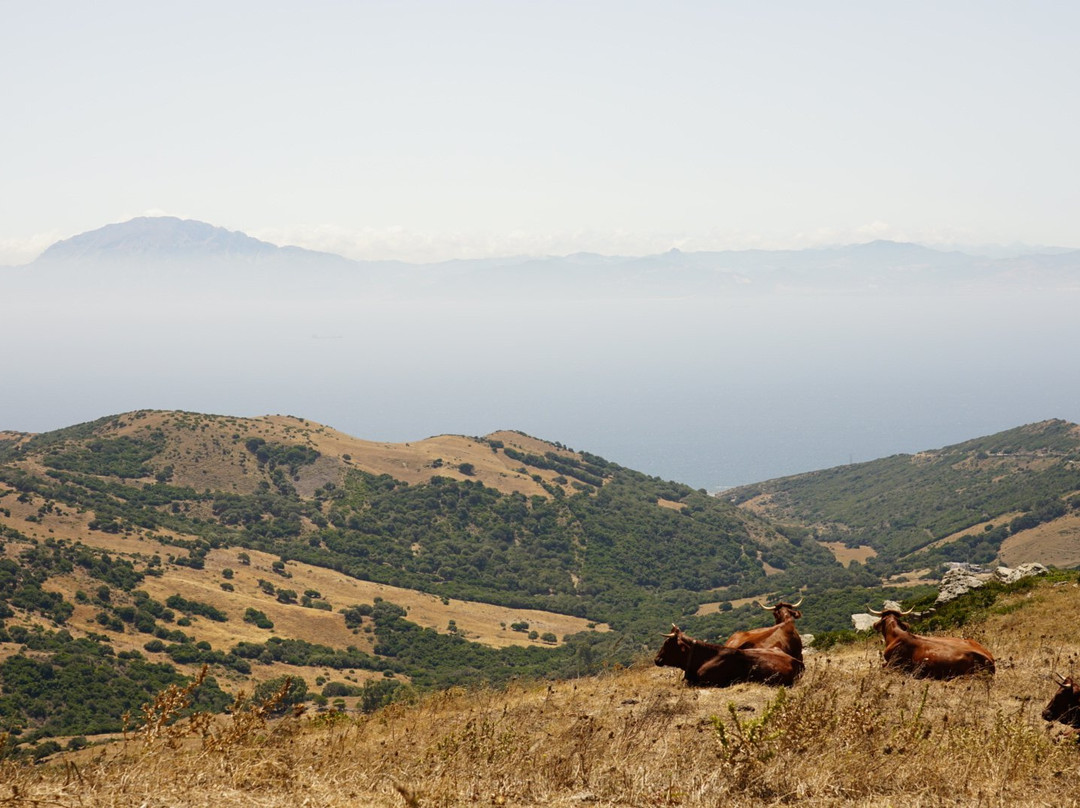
(158, 237)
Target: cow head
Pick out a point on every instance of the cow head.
(784, 611)
(1065, 705)
(892, 614)
(675, 651)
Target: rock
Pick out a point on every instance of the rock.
(960, 578)
(863, 622)
(1008, 576)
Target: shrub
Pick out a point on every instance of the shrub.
(258, 618)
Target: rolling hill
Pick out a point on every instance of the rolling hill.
(141, 546)
(1013, 495)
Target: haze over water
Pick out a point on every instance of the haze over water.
(710, 392)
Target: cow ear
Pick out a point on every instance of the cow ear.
(747, 644)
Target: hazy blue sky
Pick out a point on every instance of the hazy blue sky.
(429, 130)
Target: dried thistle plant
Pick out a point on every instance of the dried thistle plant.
(160, 715)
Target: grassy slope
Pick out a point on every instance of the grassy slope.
(208, 453)
(480, 622)
(848, 733)
(907, 508)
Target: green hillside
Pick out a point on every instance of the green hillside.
(911, 508)
(598, 541)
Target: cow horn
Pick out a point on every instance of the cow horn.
(1060, 679)
(766, 608)
(872, 611)
(798, 604)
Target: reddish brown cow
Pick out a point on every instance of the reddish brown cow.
(1065, 705)
(782, 635)
(705, 664)
(932, 657)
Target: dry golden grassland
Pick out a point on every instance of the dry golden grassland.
(848, 733)
(1056, 542)
(844, 554)
(479, 622)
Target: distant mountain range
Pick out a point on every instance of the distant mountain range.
(165, 237)
(127, 255)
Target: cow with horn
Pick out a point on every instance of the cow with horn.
(782, 635)
(705, 664)
(1064, 707)
(931, 657)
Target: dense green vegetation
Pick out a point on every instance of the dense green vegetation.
(60, 685)
(273, 455)
(116, 457)
(899, 505)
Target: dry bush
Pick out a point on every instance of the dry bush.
(849, 733)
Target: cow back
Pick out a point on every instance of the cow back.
(763, 665)
(938, 657)
(783, 637)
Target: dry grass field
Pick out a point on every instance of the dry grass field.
(847, 734)
(1056, 542)
(479, 622)
(845, 555)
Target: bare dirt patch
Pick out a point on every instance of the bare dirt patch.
(912, 578)
(1053, 543)
(845, 555)
(713, 608)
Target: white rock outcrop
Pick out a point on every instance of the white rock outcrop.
(863, 622)
(1008, 576)
(960, 578)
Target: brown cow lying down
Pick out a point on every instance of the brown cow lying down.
(705, 664)
(782, 636)
(932, 657)
(1065, 705)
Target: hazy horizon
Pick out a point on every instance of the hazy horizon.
(709, 392)
(425, 131)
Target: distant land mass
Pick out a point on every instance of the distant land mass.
(165, 237)
(234, 259)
